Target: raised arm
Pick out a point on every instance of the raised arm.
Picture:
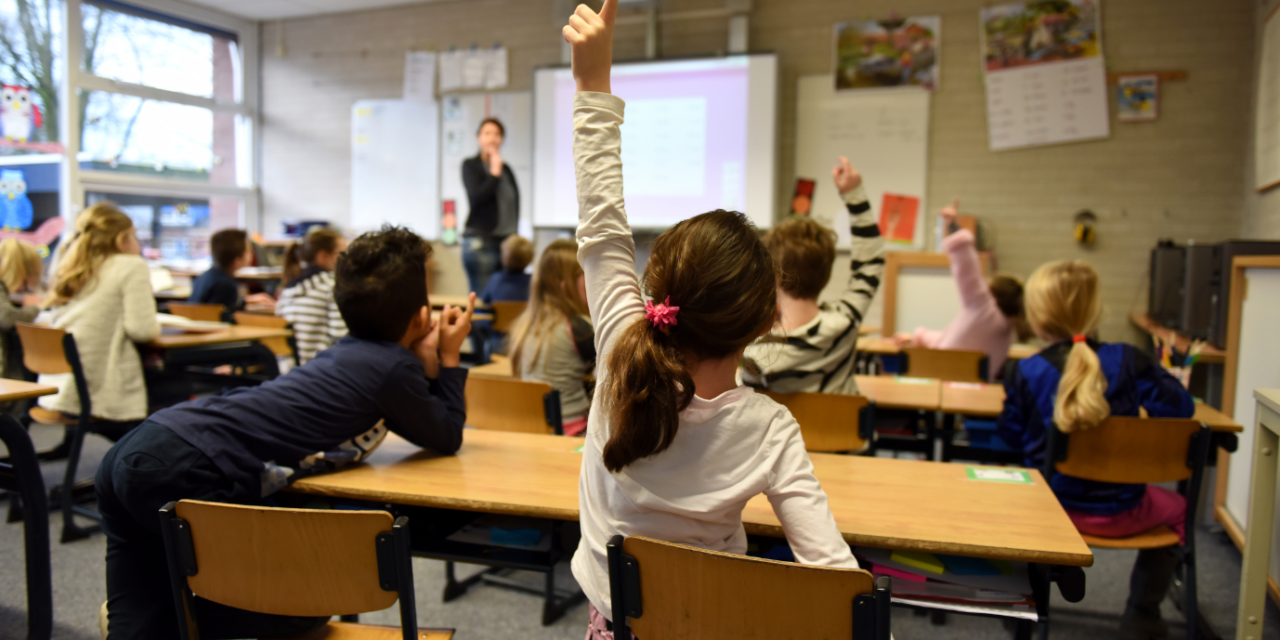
(606, 248)
(866, 245)
(966, 268)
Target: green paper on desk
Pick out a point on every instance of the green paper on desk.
(906, 380)
(1008, 476)
(579, 449)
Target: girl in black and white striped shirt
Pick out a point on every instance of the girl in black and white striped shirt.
(307, 300)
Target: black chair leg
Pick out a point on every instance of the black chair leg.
(1190, 606)
(26, 468)
(70, 531)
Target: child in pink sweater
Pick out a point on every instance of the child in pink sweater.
(991, 311)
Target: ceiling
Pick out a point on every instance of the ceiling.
(277, 9)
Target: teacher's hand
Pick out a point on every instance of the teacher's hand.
(495, 162)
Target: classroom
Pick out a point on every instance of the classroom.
(934, 319)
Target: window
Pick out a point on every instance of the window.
(166, 118)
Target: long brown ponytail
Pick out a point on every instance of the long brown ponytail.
(304, 252)
(1062, 302)
(716, 269)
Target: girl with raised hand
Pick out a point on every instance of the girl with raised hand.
(675, 447)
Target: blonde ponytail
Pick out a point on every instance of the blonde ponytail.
(98, 230)
(1081, 403)
(1063, 303)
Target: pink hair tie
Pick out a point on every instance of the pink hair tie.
(662, 315)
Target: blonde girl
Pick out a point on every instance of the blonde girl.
(1076, 383)
(101, 294)
(20, 267)
(553, 341)
(675, 447)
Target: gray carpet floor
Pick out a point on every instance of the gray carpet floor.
(494, 613)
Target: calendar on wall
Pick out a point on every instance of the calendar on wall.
(1045, 75)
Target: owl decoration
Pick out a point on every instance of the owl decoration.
(18, 115)
(15, 207)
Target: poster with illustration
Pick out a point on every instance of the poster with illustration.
(1022, 34)
(898, 217)
(1137, 98)
(897, 52)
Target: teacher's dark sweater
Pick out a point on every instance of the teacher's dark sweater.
(482, 193)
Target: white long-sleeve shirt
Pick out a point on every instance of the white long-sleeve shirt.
(727, 450)
(115, 310)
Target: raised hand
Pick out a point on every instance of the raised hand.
(591, 36)
(949, 213)
(455, 325)
(845, 176)
(495, 162)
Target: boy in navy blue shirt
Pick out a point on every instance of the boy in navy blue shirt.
(512, 283)
(231, 251)
(398, 370)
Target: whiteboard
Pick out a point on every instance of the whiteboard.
(460, 120)
(1266, 147)
(926, 297)
(1258, 366)
(394, 165)
(885, 135)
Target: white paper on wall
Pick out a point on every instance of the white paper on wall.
(496, 74)
(1047, 104)
(420, 76)
(450, 71)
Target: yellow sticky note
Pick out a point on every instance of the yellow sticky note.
(922, 561)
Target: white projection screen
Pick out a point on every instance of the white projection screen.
(698, 136)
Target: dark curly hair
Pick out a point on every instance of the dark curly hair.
(381, 282)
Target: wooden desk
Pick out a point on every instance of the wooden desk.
(495, 369)
(887, 347)
(892, 392)
(987, 400)
(1208, 355)
(231, 334)
(878, 502)
(11, 390)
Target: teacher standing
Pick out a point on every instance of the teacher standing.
(495, 205)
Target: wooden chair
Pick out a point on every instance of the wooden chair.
(292, 562)
(831, 422)
(1127, 450)
(675, 592)
(49, 351)
(505, 315)
(511, 404)
(198, 312)
(278, 346)
(944, 364)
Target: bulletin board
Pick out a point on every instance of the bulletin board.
(460, 119)
(1266, 146)
(1253, 362)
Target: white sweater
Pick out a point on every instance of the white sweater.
(727, 450)
(113, 312)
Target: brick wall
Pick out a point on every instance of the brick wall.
(1262, 211)
(1179, 177)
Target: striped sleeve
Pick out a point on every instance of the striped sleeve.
(866, 253)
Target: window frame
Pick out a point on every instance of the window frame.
(76, 182)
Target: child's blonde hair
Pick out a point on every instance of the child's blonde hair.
(1063, 303)
(553, 296)
(516, 253)
(98, 230)
(19, 261)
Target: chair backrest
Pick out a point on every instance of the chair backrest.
(278, 346)
(199, 312)
(42, 350)
(505, 314)
(511, 404)
(291, 562)
(945, 364)
(829, 421)
(1129, 450)
(46, 351)
(673, 592)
